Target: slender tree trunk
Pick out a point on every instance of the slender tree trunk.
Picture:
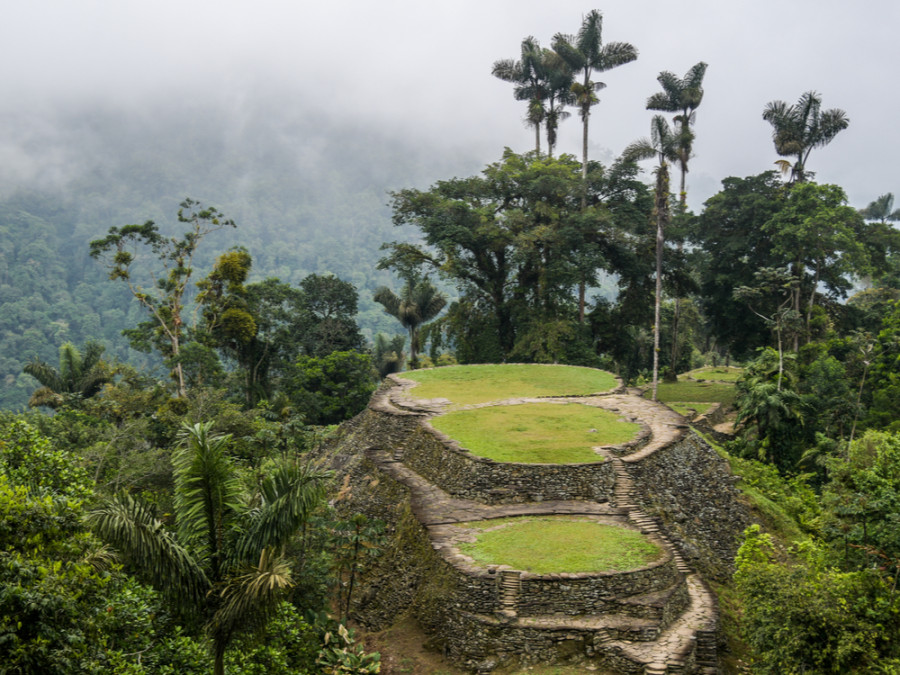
(581, 292)
(662, 216)
(811, 304)
(585, 114)
(219, 661)
(537, 139)
(673, 354)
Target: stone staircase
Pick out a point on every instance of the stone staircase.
(510, 586)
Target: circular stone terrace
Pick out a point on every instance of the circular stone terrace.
(648, 610)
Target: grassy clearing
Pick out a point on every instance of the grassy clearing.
(559, 544)
(536, 433)
(465, 385)
(697, 392)
(716, 373)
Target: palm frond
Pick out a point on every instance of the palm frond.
(248, 600)
(131, 527)
(639, 150)
(44, 373)
(289, 494)
(385, 297)
(613, 55)
(207, 492)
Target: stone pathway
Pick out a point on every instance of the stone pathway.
(690, 635)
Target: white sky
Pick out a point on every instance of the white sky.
(422, 67)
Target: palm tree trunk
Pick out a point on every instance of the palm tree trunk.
(585, 114)
(662, 215)
(219, 660)
(537, 139)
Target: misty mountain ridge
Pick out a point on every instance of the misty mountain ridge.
(307, 190)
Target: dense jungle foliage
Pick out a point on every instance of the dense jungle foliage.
(181, 358)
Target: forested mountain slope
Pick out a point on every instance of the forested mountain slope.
(308, 194)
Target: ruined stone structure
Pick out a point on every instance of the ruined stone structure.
(667, 484)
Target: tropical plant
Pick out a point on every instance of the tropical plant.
(162, 296)
(586, 53)
(527, 74)
(663, 144)
(419, 303)
(224, 564)
(797, 129)
(81, 374)
(558, 85)
(682, 96)
(882, 209)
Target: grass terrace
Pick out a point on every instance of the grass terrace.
(465, 385)
(716, 373)
(690, 391)
(536, 433)
(554, 544)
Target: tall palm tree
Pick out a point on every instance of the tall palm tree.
(558, 85)
(224, 564)
(882, 209)
(663, 145)
(528, 76)
(81, 374)
(683, 96)
(797, 129)
(418, 304)
(586, 53)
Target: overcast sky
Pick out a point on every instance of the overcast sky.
(422, 67)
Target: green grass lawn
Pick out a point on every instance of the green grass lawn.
(465, 385)
(559, 544)
(536, 433)
(695, 392)
(717, 373)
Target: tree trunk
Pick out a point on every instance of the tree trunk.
(673, 354)
(584, 149)
(581, 292)
(537, 139)
(662, 216)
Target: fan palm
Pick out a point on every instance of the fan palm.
(797, 129)
(586, 53)
(528, 76)
(681, 95)
(662, 144)
(419, 303)
(81, 374)
(224, 564)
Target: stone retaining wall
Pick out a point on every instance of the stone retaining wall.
(591, 593)
(691, 490)
(442, 461)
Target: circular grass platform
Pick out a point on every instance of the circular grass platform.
(555, 544)
(465, 385)
(536, 433)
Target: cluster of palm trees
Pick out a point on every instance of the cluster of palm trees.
(545, 78)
